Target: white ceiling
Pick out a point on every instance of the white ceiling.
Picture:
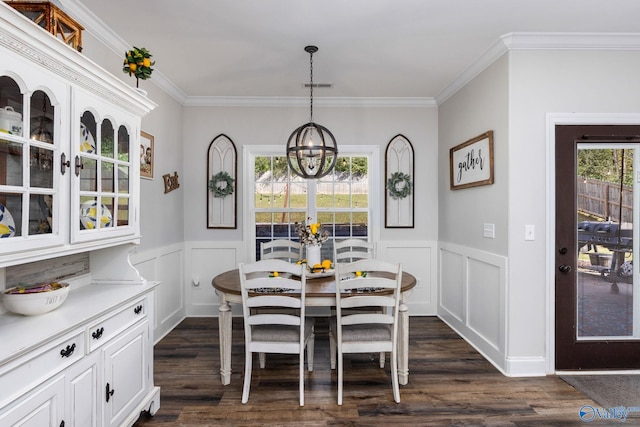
(367, 48)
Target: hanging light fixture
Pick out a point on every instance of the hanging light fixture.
(311, 150)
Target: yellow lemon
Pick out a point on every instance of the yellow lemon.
(358, 273)
(275, 274)
(133, 67)
(146, 62)
(326, 264)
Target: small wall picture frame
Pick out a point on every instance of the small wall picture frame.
(471, 163)
(146, 155)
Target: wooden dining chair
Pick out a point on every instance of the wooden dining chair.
(369, 331)
(350, 250)
(275, 322)
(283, 249)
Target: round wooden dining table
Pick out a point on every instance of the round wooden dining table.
(320, 292)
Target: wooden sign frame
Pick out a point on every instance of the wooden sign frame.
(471, 163)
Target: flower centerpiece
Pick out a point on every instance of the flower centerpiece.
(311, 235)
(137, 62)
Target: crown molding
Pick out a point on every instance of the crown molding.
(540, 41)
(572, 41)
(98, 29)
(507, 42)
(283, 101)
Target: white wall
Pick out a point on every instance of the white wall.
(478, 276)
(480, 106)
(160, 256)
(212, 251)
(273, 125)
(498, 293)
(542, 82)
(473, 268)
(177, 248)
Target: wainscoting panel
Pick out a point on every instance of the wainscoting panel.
(420, 259)
(485, 303)
(204, 261)
(473, 286)
(165, 265)
(452, 296)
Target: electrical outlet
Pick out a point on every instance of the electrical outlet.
(489, 231)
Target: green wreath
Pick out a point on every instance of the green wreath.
(221, 190)
(399, 185)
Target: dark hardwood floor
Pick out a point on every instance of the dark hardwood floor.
(450, 384)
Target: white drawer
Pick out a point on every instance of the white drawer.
(100, 332)
(30, 370)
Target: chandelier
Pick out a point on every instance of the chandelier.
(311, 150)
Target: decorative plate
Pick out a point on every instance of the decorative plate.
(7, 226)
(89, 215)
(87, 143)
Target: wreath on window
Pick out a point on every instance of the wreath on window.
(221, 184)
(399, 185)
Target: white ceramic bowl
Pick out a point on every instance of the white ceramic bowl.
(32, 304)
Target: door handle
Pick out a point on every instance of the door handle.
(79, 165)
(564, 268)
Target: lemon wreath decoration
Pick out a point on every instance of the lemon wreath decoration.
(399, 185)
(221, 184)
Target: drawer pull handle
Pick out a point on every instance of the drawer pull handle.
(138, 309)
(68, 351)
(109, 392)
(97, 334)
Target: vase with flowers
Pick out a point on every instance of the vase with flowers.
(137, 62)
(311, 236)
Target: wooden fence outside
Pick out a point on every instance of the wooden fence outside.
(602, 199)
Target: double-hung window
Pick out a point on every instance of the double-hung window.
(342, 201)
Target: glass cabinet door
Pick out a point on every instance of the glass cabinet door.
(29, 192)
(104, 182)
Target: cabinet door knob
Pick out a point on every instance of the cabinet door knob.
(138, 309)
(68, 351)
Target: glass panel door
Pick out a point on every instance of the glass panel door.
(606, 191)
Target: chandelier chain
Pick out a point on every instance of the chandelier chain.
(311, 86)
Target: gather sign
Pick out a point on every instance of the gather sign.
(471, 163)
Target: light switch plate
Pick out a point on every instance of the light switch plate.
(529, 232)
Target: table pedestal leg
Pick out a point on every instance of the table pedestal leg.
(224, 325)
(403, 344)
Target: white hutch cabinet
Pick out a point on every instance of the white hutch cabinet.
(69, 187)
